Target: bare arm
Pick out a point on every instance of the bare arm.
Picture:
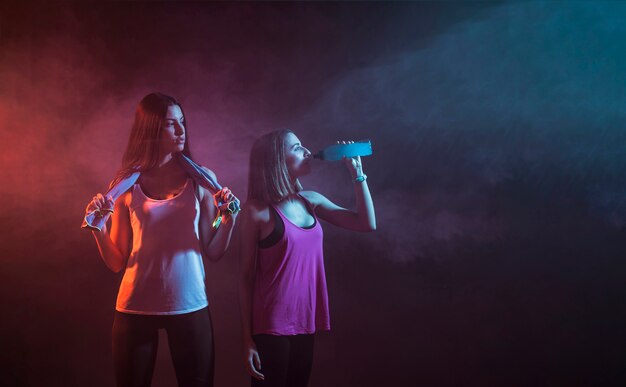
(363, 219)
(114, 248)
(249, 239)
(214, 242)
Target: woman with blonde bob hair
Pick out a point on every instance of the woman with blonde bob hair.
(283, 296)
(160, 231)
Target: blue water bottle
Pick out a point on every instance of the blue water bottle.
(338, 151)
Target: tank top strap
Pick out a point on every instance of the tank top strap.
(309, 206)
(196, 189)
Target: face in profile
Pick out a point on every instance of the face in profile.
(297, 157)
(173, 130)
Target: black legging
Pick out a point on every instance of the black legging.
(285, 360)
(190, 337)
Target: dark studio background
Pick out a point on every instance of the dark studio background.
(498, 178)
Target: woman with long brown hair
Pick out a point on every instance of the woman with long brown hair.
(283, 295)
(160, 230)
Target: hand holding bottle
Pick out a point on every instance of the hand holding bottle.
(354, 165)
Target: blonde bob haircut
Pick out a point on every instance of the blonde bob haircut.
(268, 176)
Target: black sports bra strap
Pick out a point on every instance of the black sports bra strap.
(277, 231)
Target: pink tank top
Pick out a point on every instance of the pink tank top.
(165, 272)
(290, 295)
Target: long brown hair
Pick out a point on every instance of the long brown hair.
(268, 176)
(142, 151)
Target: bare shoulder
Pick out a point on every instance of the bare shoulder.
(255, 210)
(313, 197)
(121, 209)
(203, 192)
(210, 172)
(124, 199)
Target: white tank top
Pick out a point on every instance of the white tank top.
(165, 272)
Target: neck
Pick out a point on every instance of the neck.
(166, 165)
(294, 183)
(165, 159)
